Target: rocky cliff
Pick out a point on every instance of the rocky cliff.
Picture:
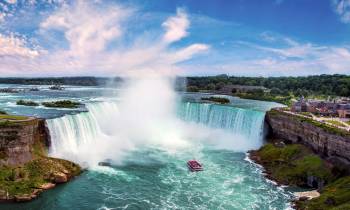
(19, 140)
(25, 168)
(331, 143)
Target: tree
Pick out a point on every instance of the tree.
(211, 86)
(275, 91)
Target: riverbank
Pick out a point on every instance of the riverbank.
(25, 169)
(297, 165)
(308, 155)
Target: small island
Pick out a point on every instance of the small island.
(27, 103)
(53, 104)
(62, 104)
(216, 100)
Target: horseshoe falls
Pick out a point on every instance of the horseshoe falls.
(149, 175)
(148, 164)
(73, 136)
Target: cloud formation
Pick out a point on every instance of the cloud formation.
(176, 27)
(294, 59)
(11, 46)
(92, 32)
(342, 8)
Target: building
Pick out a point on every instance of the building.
(344, 110)
(324, 108)
(300, 106)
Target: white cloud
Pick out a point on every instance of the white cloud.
(176, 27)
(91, 31)
(86, 28)
(294, 59)
(342, 8)
(14, 46)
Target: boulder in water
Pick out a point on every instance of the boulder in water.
(60, 177)
(47, 186)
(308, 195)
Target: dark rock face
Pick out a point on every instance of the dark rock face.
(333, 147)
(17, 140)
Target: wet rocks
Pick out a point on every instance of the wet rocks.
(47, 186)
(60, 177)
(307, 195)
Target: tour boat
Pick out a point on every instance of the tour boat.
(194, 165)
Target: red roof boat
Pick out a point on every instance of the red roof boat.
(194, 165)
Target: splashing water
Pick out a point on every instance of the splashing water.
(109, 130)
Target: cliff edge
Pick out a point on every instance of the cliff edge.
(307, 153)
(25, 168)
(332, 144)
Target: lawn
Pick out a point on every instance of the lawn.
(335, 122)
(12, 117)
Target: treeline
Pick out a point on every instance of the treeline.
(332, 85)
(78, 81)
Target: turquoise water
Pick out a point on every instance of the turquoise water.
(152, 176)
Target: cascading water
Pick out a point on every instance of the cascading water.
(247, 123)
(92, 134)
(149, 140)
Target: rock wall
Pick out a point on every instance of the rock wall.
(331, 146)
(21, 140)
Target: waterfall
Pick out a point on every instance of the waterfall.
(99, 132)
(248, 123)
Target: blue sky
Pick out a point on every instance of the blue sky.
(183, 37)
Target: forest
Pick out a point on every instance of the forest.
(326, 85)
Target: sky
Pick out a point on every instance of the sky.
(176, 37)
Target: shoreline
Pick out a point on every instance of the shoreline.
(253, 158)
(333, 192)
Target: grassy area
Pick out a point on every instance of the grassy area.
(292, 164)
(24, 179)
(217, 100)
(27, 103)
(335, 196)
(62, 104)
(325, 127)
(335, 122)
(12, 117)
(306, 114)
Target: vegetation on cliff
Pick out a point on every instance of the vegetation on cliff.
(2, 112)
(12, 117)
(217, 100)
(326, 127)
(62, 104)
(335, 196)
(292, 164)
(25, 180)
(26, 103)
